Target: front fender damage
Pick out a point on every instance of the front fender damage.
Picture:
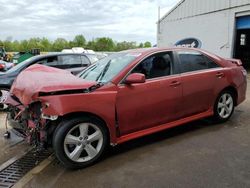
(29, 121)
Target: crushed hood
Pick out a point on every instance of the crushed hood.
(42, 79)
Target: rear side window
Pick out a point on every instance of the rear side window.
(52, 61)
(49, 61)
(194, 61)
(211, 63)
(70, 60)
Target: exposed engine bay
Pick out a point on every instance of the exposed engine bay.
(27, 101)
(27, 122)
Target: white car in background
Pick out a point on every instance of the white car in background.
(78, 50)
(91, 54)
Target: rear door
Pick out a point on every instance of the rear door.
(155, 102)
(200, 76)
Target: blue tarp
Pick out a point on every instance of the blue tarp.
(243, 22)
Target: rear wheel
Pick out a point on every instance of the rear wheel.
(80, 142)
(224, 106)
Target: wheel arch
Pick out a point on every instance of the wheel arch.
(87, 114)
(234, 91)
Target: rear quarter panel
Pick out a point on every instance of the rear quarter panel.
(239, 82)
(234, 78)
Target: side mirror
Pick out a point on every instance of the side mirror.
(135, 78)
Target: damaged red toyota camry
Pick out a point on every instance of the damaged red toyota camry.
(121, 97)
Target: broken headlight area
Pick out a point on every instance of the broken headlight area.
(29, 123)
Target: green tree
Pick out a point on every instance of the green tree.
(24, 45)
(125, 45)
(79, 41)
(141, 45)
(91, 45)
(104, 44)
(33, 43)
(7, 45)
(15, 46)
(147, 45)
(59, 44)
(45, 45)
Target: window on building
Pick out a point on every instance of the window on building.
(243, 40)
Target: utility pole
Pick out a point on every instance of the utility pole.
(159, 16)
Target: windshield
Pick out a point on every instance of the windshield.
(92, 58)
(106, 69)
(21, 65)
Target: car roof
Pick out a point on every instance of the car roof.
(155, 49)
(39, 57)
(57, 54)
(145, 51)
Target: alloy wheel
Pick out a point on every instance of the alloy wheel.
(225, 105)
(83, 142)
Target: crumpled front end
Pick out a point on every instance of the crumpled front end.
(26, 121)
(41, 96)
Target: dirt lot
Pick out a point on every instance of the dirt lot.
(197, 154)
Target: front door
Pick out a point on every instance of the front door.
(155, 102)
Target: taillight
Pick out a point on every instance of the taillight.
(2, 66)
(238, 62)
(244, 72)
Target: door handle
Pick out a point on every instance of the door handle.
(219, 74)
(175, 84)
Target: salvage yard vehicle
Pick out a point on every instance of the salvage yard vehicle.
(74, 63)
(4, 66)
(124, 96)
(3, 53)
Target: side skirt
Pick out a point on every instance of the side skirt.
(158, 128)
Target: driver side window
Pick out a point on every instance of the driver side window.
(155, 66)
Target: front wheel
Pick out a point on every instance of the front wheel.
(224, 106)
(80, 142)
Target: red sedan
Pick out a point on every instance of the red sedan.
(122, 97)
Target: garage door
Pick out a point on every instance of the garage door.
(242, 44)
(243, 22)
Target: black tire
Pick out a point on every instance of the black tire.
(217, 118)
(60, 134)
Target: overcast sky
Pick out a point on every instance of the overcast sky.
(131, 20)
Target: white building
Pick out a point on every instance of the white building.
(219, 26)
